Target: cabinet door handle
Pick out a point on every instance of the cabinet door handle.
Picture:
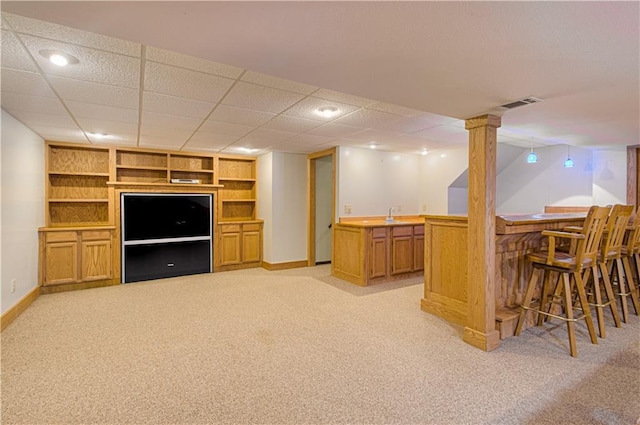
(329, 225)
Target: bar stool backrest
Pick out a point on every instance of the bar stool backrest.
(615, 230)
(587, 248)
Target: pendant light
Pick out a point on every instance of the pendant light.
(568, 163)
(532, 158)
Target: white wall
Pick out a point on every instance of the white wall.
(373, 181)
(527, 188)
(22, 208)
(285, 214)
(610, 176)
(436, 174)
(265, 203)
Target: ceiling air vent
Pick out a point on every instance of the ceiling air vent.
(526, 101)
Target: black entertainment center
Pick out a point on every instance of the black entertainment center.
(165, 235)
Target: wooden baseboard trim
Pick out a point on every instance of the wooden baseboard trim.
(15, 311)
(53, 289)
(284, 266)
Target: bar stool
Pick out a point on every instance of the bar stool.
(568, 265)
(630, 251)
(609, 263)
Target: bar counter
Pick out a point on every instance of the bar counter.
(446, 256)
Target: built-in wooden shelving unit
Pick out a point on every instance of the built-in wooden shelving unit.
(82, 206)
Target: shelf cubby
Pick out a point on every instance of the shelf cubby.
(72, 187)
(78, 160)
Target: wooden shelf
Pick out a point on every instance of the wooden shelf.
(239, 200)
(77, 173)
(232, 179)
(78, 200)
(186, 170)
(166, 184)
(140, 167)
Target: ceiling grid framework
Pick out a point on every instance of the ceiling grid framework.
(141, 95)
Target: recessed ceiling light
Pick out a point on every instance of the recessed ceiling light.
(424, 151)
(99, 135)
(327, 111)
(59, 58)
(373, 146)
(247, 150)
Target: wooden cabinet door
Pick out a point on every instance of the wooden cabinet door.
(378, 257)
(61, 264)
(418, 252)
(96, 260)
(251, 247)
(230, 248)
(401, 254)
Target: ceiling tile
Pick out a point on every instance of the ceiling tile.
(204, 138)
(94, 65)
(24, 102)
(25, 82)
(171, 105)
(412, 124)
(240, 116)
(163, 121)
(293, 124)
(394, 109)
(217, 127)
(96, 93)
(166, 79)
(368, 118)
(13, 56)
(114, 139)
(307, 107)
(259, 98)
(72, 35)
(44, 119)
(440, 131)
(278, 83)
(101, 112)
(344, 98)
(335, 130)
(159, 142)
(296, 148)
(189, 62)
(372, 135)
(56, 134)
(101, 126)
(272, 135)
(236, 150)
(308, 139)
(253, 142)
(203, 145)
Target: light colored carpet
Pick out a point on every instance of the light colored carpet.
(296, 347)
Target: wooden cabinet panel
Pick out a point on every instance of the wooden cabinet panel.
(418, 252)
(250, 247)
(402, 253)
(230, 248)
(96, 260)
(378, 257)
(61, 263)
(76, 256)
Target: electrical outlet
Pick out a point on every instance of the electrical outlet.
(13, 286)
(424, 207)
(347, 208)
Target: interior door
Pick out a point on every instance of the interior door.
(323, 209)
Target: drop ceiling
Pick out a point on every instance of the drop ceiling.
(238, 76)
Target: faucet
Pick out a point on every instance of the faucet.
(389, 218)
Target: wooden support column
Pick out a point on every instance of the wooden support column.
(481, 266)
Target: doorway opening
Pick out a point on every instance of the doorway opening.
(321, 206)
